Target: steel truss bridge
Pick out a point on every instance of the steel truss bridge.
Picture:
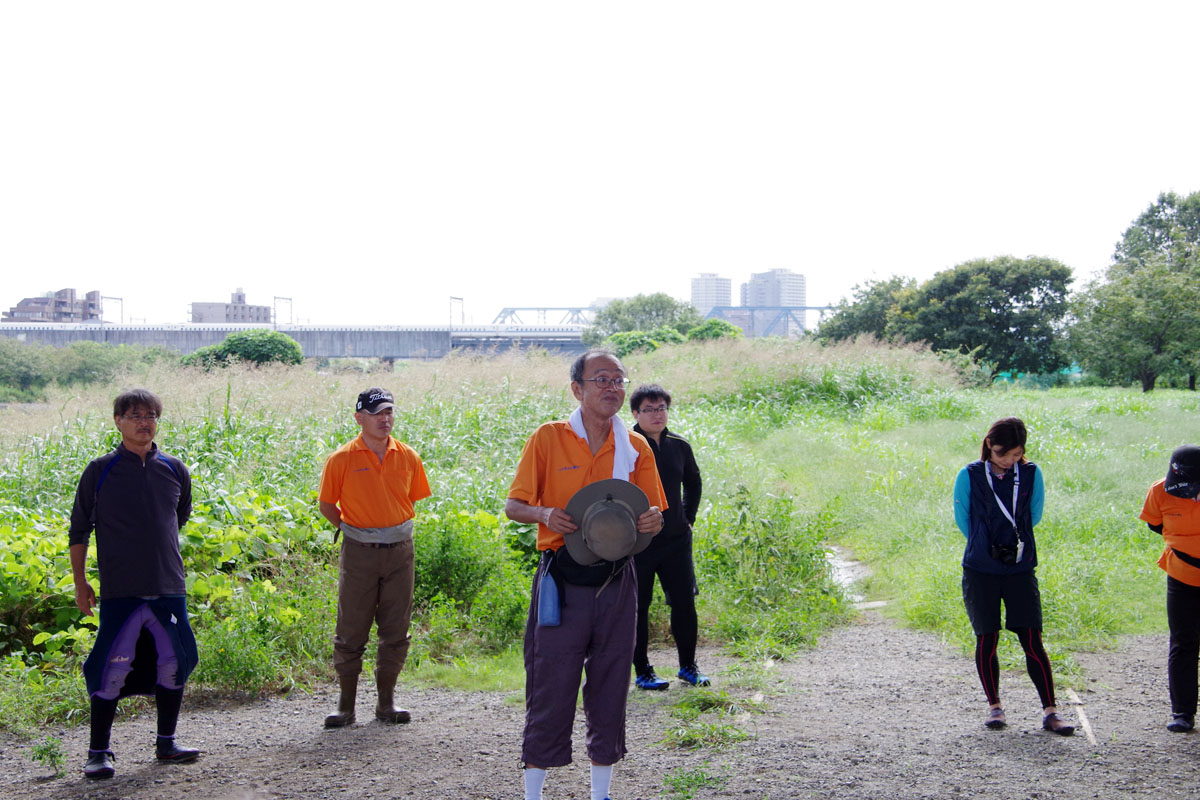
(571, 315)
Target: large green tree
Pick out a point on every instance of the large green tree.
(642, 313)
(867, 313)
(1169, 228)
(1140, 320)
(1138, 324)
(1011, 309)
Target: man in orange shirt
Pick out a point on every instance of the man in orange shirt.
(1172, 508)
(368, 489)
(598, 617)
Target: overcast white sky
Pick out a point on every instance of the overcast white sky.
(371, 160)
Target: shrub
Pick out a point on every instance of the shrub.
(257, 346)
(23, 368)
(667, 335)
(627, 342)
(714, 329)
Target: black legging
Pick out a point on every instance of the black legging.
(1036, 662)
(1183, 616)
(673, 565)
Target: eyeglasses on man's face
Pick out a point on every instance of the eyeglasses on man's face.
(140, 417)
(604, 383)
(653, 409)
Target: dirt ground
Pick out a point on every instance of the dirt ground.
(876, 711)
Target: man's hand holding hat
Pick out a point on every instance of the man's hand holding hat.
(650, 522)
(559, 521)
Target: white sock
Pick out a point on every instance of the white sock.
(534, 778)
(601, 781)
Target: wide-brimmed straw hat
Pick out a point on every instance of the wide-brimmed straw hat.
(606, 513)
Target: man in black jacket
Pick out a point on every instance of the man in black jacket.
(135, 499)
(669, 555)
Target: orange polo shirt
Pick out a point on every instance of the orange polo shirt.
(1180, 518)
(556, 463)
(370, 493)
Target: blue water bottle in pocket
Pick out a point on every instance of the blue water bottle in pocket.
(549, 613)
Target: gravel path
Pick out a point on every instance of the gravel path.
(876, 711)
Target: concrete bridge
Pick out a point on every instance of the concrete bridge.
(388, 342)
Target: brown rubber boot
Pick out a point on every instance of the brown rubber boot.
(386, 711)
(345, 714)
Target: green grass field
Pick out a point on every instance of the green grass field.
(1100, 449)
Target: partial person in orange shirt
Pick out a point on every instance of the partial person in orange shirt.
(595, 634)
(368, 490)
(1172, 508)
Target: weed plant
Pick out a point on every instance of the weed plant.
(49, 753)
(694, 734)
(683, 784)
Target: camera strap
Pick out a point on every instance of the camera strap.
(1017, 485)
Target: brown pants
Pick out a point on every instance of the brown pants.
(595, 639)
(375, 584)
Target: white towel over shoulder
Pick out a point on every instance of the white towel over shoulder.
(624, 457)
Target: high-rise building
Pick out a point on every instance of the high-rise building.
(236, 310)
(710, 289)
(777, 287)
(60, 306)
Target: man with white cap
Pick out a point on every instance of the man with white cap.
(593, 575)
(368, 490)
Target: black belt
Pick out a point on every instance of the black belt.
(377, 545)
(1185, 558)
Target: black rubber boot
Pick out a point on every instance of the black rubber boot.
(386, 710)
(345, 712)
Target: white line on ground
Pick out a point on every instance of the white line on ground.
(1083, 720)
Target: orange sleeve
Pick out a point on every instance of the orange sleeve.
(1151, 512)
(419, 488)
(526, 485)
(331, 478)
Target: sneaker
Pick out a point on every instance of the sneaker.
(1055, 724)
(1181, 723)
(99, 764)
(649, 681)
(692, 675)
(995, 719)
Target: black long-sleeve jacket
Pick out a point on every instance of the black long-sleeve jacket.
(136, 510)
(680, 479)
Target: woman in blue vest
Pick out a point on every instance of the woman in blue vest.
(997, 502)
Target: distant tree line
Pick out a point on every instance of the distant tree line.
(1139, 322)
(27, 369)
